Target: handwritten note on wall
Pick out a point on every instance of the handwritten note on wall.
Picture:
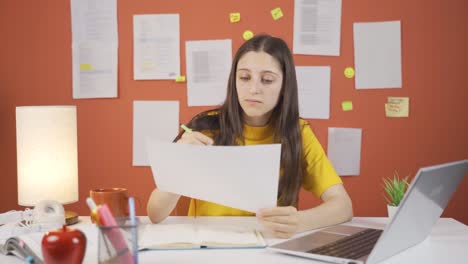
(397, 107)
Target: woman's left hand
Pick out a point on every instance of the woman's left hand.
(283, 222)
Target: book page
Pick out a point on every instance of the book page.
(171, 236)
(33, 241)
(229, 236)
(23, 246)
(158, 236)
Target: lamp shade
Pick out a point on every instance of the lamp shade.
(47, 154)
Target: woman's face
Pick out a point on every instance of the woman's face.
(258, 80)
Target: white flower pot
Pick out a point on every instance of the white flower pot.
(391, 210)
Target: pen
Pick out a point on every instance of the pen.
(184, 127)
(131, 208)
(93, 207)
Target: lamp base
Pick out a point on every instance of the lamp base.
(71, 217)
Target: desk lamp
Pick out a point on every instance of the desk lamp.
(47, 155)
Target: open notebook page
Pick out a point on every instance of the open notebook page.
(224, 235)
(157, 235)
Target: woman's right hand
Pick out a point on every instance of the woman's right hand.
(195, 138)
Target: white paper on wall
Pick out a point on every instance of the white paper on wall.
(156, 49)
(153, 120)
(344, 150)
(314, 91)
(317, 27)
(208, 67)
(377, 55)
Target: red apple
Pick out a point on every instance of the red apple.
(64, 245)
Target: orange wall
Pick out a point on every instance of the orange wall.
(35, 69)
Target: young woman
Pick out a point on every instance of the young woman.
(261, 107)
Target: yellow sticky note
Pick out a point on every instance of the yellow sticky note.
(347, 105)
(247, 35)
(397, 107)
(392, 110)
(277, 13)
(234, 17)
(180, 79)
(349, 72)
(86, 67)
(398, 100)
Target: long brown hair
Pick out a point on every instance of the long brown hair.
(227, 122)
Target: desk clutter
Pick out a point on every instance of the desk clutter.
(64, 245)
(46, 215)
(118, 240)
(116, 237)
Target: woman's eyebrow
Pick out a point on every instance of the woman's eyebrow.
(272, 72)
(266, 71)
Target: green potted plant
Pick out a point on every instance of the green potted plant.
(395, 189)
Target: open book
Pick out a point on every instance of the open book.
(198, 236)
(23, 246)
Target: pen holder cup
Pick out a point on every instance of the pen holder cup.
(118, 244)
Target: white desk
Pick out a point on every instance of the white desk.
(448, 243)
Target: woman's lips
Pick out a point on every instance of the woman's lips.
(253, 101)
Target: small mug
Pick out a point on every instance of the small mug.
(115, 198)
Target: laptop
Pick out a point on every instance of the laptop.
(421, 207)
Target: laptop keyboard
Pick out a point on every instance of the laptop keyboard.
(351, 247)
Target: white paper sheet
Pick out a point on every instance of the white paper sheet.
(344, 150)
(156, 49)
(94, 20)
(94, 48)
(317, 26)
(243, 177)
(208, 66)
(94, 70)
(377, 55)
(314, 91)
(153, 119)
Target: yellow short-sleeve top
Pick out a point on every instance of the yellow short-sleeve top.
(319, 174)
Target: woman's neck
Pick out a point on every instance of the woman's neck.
(258, 121)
